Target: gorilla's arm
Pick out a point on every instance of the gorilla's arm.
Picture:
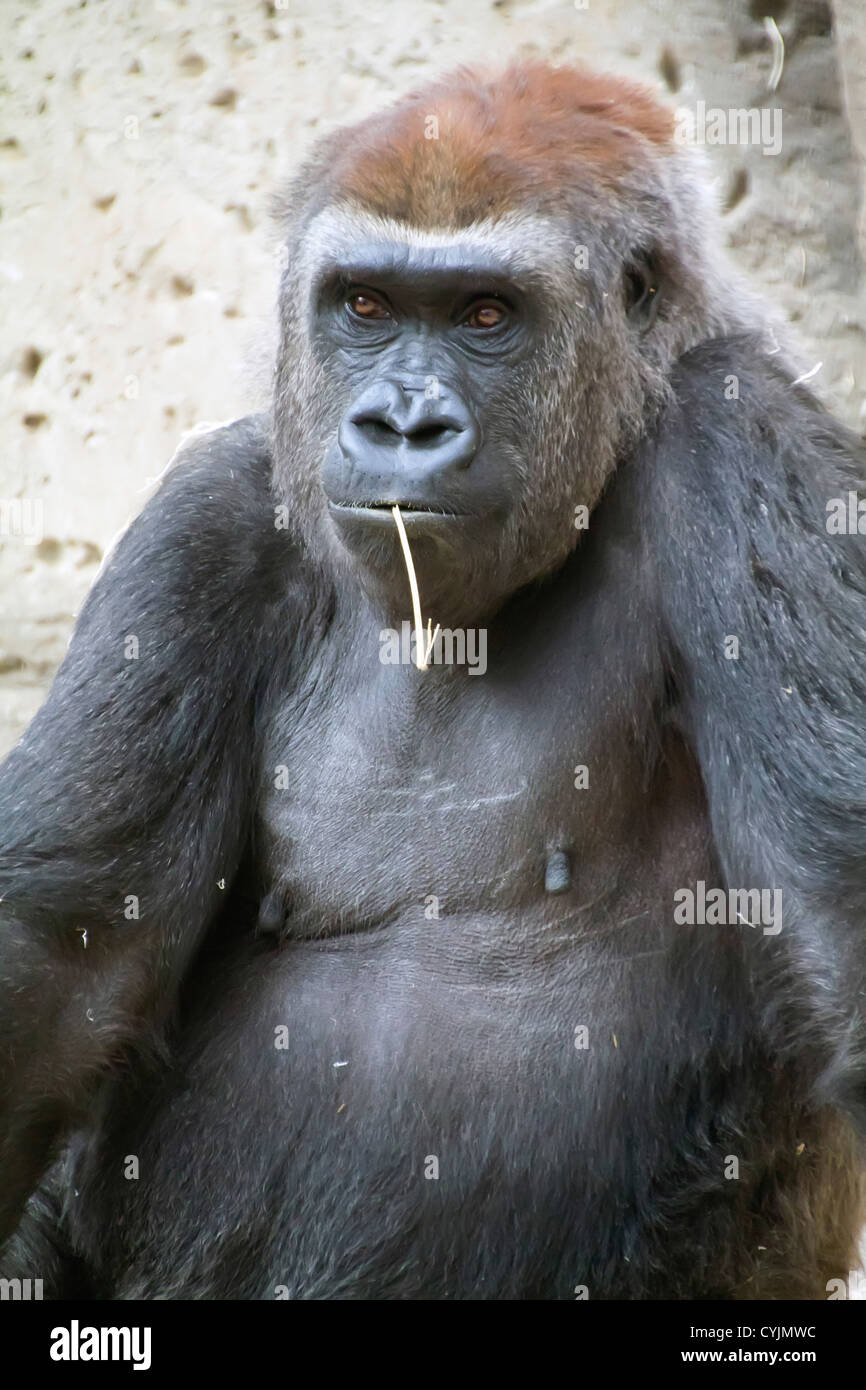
(124, 808)
(735, 512)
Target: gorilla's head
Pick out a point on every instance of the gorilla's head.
(486, 288)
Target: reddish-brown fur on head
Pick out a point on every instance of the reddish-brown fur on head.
(514, 141)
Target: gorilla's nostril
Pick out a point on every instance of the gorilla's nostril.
(377, 430)
(430, 434)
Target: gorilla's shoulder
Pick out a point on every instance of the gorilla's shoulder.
(211, 532)
(738, 371)
(226, 468)
(214, 507)
(734, 398)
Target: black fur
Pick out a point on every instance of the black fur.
(263, 1168)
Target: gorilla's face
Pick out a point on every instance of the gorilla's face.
(427, 344)
(475, 379)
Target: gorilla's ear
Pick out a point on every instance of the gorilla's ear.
(642, 288)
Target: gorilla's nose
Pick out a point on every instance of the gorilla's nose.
(408, 431)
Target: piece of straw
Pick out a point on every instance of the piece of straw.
(430, 639)
(422, 652)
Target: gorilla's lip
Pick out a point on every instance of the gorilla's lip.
(381, 512)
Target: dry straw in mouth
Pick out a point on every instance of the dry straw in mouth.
(422, 652)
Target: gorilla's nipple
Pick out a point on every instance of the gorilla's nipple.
(272, 913)
(557, 874)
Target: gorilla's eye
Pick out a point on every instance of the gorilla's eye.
(366, 306)
(486, 314)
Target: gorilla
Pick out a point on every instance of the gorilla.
(438, 870)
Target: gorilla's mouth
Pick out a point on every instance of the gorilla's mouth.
(379, 511)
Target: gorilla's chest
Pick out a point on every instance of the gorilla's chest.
(397, 793)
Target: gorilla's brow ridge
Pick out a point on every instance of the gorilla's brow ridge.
(521, 245)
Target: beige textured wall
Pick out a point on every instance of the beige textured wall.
(139, 143)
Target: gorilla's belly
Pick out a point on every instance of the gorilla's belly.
(375, 1115)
